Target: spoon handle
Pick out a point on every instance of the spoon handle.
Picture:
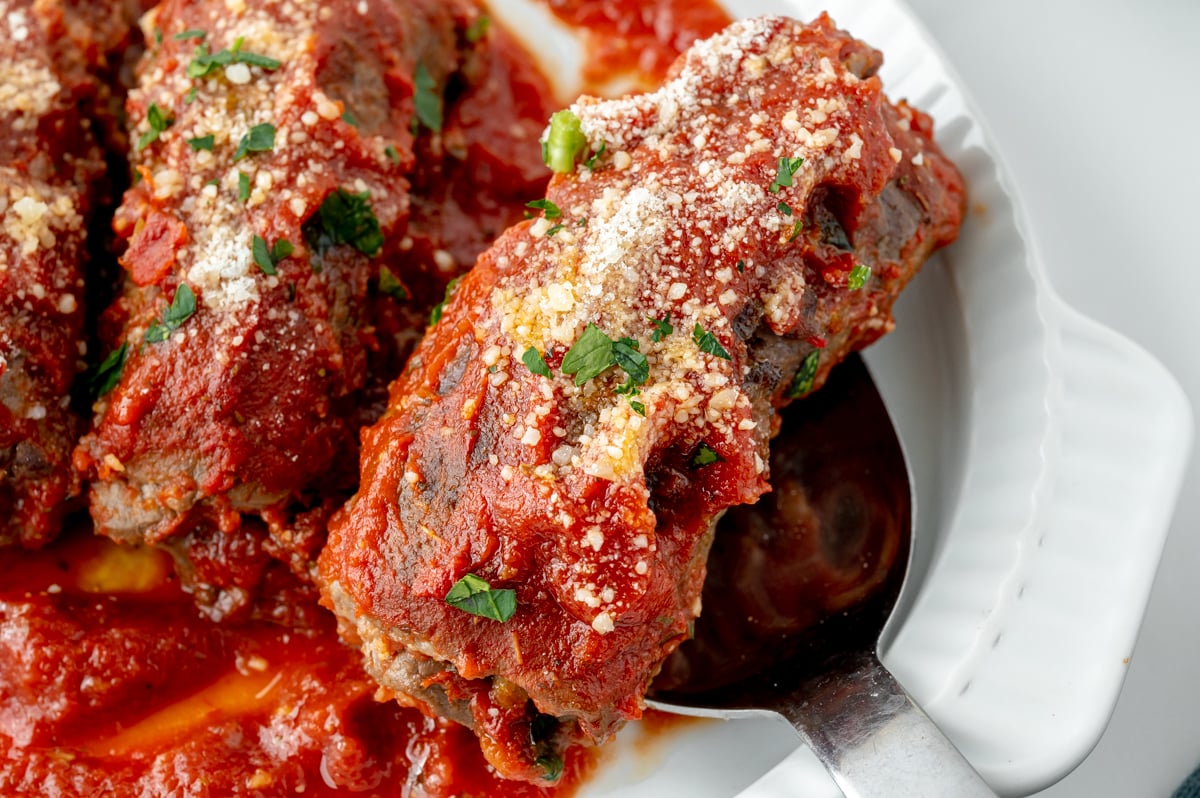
(874, 739)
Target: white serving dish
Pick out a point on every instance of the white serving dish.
(1047, 453)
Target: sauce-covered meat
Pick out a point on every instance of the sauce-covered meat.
(528, 540)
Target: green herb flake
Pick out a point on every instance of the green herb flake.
(427, 100)
(783, 173)
(345, 218)
(590, 163)
(741, 266)
(474, 595)
(108, 373)
(243, 186)
(535, 362)
(183, 305)
(627, 357)
(705, 455)
(638, 407)
(205, 63)
(564, 143)
(201, 143)
(268, 258)
(784, 208)
(260, 138)
(189, 34)
(478, 28)
(548, 208)
(662, 328)
(802, 382)
(435, 315)
(390, 152)
(190, 97)
(555, 230)
(349, 119)
(158, 122)
(708, 342)
(797, 226)
(552, 767)
(590, 356)
(858, 277)
(157, 36)
(390, 285)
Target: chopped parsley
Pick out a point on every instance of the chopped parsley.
(784, 208)
(243, 186)
(478, 28)
(590, 356)
(662, 328)
(554, 230)
(551, 765)
(158, 122)
(349, 119)
(802, 382)
(590, 163)
(631, 361)
(189, 34)
(638, 407)
(390, 284)
(427, 101)
(181, 309)
(474, 595)
(268, 258)
(345, 218)
(548, 208)
(260, 138)
(201, 143)
(705, 455)
(108, 373)
(741, 266)
(858, 277)
(708, 342)
(564, 143)
(535, 362)
(190, 97)
(783, 173)
(205, 63)
(390, 152)
(435, 315)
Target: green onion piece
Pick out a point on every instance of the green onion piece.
(427, 100)
(802, 382)
(708, 342)
(590, 356)
(549, 209)
(858, 277)
(108, 373)
(565, 142)
(705, 455)
(260, 138)
(535, 362)
(474, 595)
(389, 284)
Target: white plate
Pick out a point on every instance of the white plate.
(1047, 452)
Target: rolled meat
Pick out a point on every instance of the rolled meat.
(50, 166)
(529, 536)
(272, 143)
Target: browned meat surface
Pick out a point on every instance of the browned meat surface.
(529, 537)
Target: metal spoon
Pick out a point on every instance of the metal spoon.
(801, 592)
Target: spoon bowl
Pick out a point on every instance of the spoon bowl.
(801, 591)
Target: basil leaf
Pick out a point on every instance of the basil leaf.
(474, 595)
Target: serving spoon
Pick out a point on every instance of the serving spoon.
(801, 593)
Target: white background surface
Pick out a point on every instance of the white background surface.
(1095, 109)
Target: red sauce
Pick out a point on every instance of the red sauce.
(623, 36)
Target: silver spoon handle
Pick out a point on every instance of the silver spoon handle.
(874, 739)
